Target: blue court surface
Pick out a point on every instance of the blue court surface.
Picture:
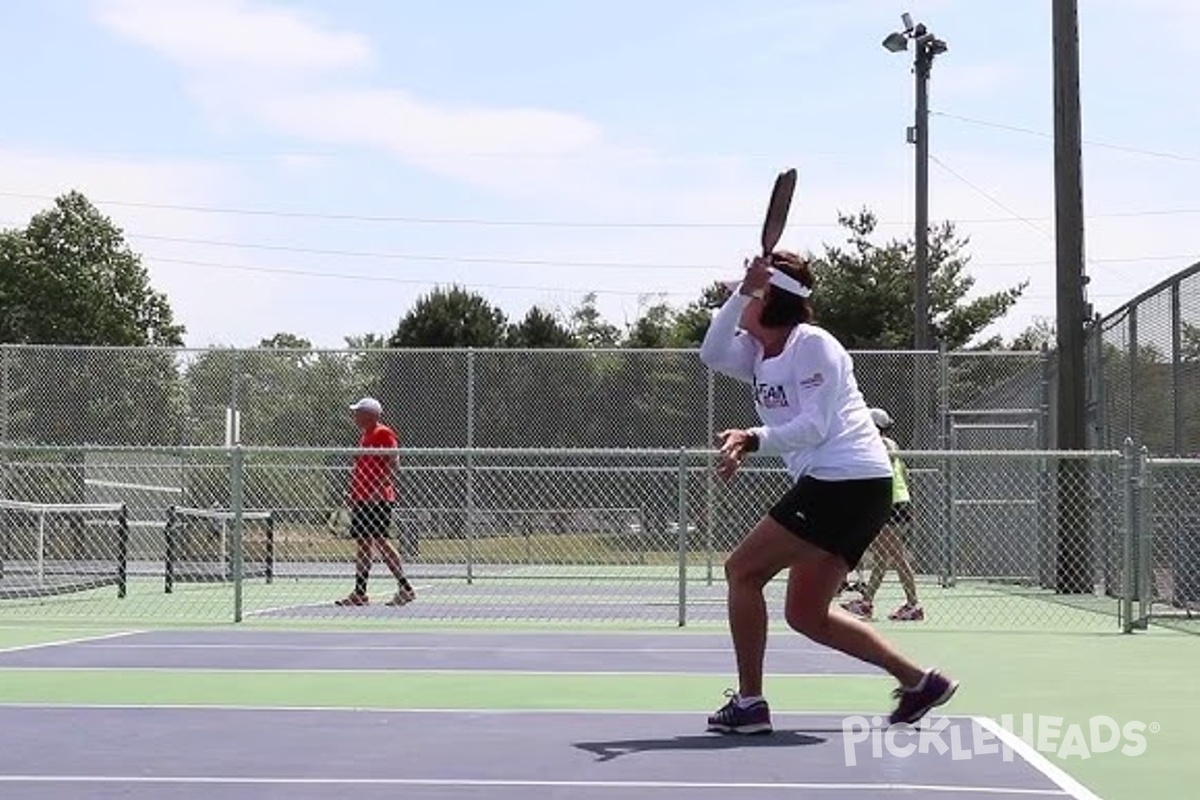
(136, 751)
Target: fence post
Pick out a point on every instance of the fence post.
(237, 465)
(1177, 405)
(949, 542)
(683, 535)
(710, 477)
(469, 524)
(946, 465)
(1129, 475)
(1143, 552)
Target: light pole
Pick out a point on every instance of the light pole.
(927, 47)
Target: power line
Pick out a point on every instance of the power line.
(1050, 136)
(549, 262)
(409, 281)
(586, 264)
(520, 262)
(989, 197)
(482, 222)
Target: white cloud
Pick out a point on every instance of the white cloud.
(232, 34)
(244, 64)
(514, 148)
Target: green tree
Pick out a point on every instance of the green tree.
(539, 328)
(589, 326)
(691, 323)
(865, 292)
(451, 317)
(69, 277)
(654, 329)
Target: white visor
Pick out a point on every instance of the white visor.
(780, 279)
(788, 283)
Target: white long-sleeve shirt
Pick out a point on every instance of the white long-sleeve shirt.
(812, 412)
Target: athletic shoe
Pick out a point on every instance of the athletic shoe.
(863, 609)
(909, 612)
(933, 690)
(355, 599)
(402, 597)
(732, 718)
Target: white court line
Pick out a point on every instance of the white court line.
(494, 648)
(63, 642)
(1070, 786)
(552, 712)
(400, 669)
(497, 783)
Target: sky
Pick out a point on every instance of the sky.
(315, 167)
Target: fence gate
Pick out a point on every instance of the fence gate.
(1167, 554)
(995, 506)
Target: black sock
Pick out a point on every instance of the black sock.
(404, 584)
(360, 582)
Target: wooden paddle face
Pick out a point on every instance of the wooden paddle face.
(777, 210)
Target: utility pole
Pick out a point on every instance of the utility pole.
(919, 137)
(1073, 573)
(927, 48)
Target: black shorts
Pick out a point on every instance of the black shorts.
(840, 517)
(902, 515)
(370, 520)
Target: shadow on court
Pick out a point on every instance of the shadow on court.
(607, 751)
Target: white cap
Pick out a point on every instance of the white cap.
(881, 418)
(368, 404)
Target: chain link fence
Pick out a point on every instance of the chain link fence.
(142, 397)
(159, 535)
(1144, 370)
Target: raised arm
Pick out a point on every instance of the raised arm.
(725, 349)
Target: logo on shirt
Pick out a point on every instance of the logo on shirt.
(769, 396)
(812, 381)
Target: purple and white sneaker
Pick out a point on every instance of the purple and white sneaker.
(733, 718)
(933, 690)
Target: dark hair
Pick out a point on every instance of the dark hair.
(781, 308)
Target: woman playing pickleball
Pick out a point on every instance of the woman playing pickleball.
(813, 417)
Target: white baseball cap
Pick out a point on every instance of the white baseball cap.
(881, 418)
(368, 404)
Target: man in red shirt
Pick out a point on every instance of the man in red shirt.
(372, 497)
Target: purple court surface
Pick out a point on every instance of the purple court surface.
(94, 751)
(51, 753)
(524, 652)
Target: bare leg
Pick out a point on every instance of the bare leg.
(387, 551)
(812, 584)
(362, 566)
(815, 576)
(362, 571)
(886, 549)
(747, 570)
(908, 578)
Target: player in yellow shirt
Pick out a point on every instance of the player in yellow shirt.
(889, 548)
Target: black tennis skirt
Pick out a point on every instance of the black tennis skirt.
(840, 517)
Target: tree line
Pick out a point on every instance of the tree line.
(69, 278)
